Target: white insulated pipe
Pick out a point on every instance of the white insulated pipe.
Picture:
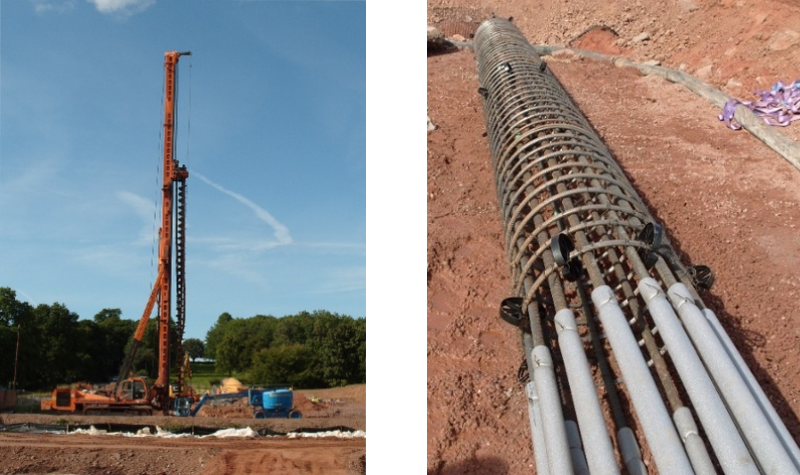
(537, 433)
(576, 449)
(762, 440)
(755, 389)
(721, 431)
(659, 431)
(555, 433)
(695, 448)
(597, 442)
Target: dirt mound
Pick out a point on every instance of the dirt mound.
(599, 39)
(345, 402)
(354, 392)
(227, 409)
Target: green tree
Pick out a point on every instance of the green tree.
(294, 329)
(293, 364)
(241, 339)
(194, 347)
(56, 347)
(62, 350)
(8, 345)
(229, 354)
(144, 363)
(337, 343)
(14, 313)
(108, 313)
(361, 338)
(215, 334)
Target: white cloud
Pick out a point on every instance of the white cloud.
(143, 208)
(123, 7)
(59, 6)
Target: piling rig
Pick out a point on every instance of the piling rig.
(134, 394)
(607, 348)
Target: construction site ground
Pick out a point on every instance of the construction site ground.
(337, 408)
(725, 199)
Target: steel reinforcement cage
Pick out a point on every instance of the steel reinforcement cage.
(606, 346)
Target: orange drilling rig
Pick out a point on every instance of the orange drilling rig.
(134, 394)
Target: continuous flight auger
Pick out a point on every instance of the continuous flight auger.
(589, 268)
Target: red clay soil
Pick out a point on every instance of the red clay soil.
(726, 200)
(118, 455)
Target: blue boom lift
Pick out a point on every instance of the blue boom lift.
(277, 403)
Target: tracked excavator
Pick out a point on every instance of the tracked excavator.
(136, 394)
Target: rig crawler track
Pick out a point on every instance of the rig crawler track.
(620, 349)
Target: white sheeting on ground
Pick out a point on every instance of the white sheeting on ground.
(330, 433)
(145, 432)
(246, 432)
(222, 433)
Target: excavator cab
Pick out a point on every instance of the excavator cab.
(132, 389)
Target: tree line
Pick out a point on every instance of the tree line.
(56, 347)
(308, 350)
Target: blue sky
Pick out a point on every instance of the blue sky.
(271, 124)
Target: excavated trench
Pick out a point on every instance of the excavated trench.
(620, 350)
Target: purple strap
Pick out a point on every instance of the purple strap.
(779, 106)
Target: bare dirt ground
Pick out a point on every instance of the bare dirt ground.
(726, 200)
(118, 455)
(319, 407)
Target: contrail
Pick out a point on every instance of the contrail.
(27, 298)
(281, 231)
